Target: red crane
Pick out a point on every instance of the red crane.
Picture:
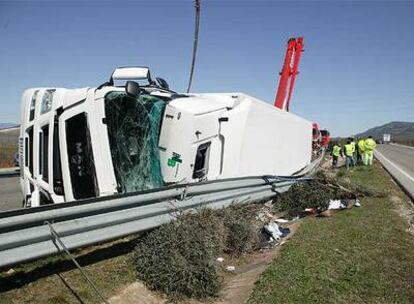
(288, 73)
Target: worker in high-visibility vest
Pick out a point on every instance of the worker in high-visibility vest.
(360, 151)
(369, 146)
(349, 154)
(353, 150)
(336, 152)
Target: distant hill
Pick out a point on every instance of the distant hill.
(400, 131)
(7, 125)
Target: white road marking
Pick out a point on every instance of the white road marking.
(395, 166)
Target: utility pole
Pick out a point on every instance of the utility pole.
(196, 29)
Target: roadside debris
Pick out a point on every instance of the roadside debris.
(231, 268)
(220, 260)
(265, 213)
(275, 232)
(336, 204)
(311, 195)
(321, 196)
(10, 271)
(282, 221)
(311, 211)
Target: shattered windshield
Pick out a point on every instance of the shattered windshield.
(133, 125)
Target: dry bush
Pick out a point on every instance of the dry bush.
(317, 193)
(304, 195)
(243, 233)
(345, 189)
(179, 258)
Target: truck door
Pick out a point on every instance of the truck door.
(78, 160)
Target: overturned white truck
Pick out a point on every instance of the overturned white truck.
(132, 134)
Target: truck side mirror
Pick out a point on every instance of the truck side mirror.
(132, 88)
(163, 83)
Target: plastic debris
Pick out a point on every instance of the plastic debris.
(10, 271)
(275, 231)
(336, 204)
(285, 231)
(220, 259)
(357, 203)
(310, 210)
(281, 221)
(231, 268)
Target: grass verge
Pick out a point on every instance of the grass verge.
(55, 280)
(362, 255)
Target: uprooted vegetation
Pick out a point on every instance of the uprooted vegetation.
(318, 192)
(312, 194)
(345, 185)
(179, 258)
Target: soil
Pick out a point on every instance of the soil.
(137, 293)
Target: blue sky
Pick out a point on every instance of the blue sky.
(356, 72)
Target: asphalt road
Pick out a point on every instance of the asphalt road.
(399, 161)
(10, 193)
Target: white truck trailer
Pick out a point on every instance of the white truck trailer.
(131, 136)
(386, 138)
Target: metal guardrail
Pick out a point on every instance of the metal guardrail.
(24, 236)
(9, 172)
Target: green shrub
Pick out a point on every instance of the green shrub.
(312, 194)
(243, 233)
(318, 192)
(178, 258)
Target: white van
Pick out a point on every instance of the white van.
(127, 137)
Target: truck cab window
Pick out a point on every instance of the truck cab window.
(57, 166)
(201, 161)
(33, 106)
(29, 150)
(40, 152)
(44, 198)
(81, 164)
(44, 153)
(133, 125)
(26, 151)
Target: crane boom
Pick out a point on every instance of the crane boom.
(288, 73)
